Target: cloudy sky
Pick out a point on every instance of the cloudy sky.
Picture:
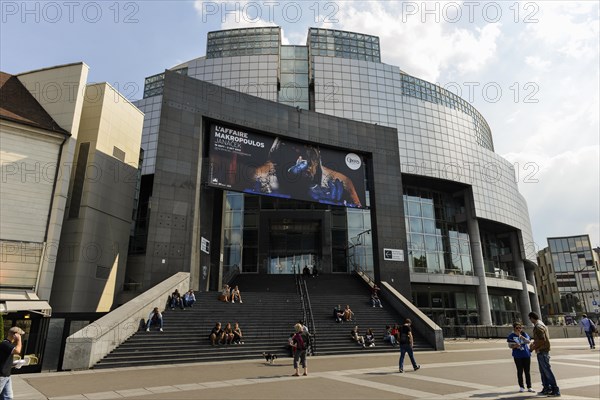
(531, 69)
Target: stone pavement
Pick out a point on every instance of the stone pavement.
(479, 369)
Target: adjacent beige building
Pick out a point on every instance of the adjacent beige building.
(69, 157)
(95, 236)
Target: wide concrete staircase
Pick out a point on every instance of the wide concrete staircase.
(266, 318)
(271, 308)
(327, 291)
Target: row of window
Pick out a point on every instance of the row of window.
(426, 91)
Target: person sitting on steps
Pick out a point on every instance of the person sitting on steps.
(237, 334)
(236, 295)
(176, 300)
(228, 335)
(357, 337)
(348, 314)
(388, 336)
(216, 335)
(375, 302)
(189, 298)
(225, 294)
(338, 314)
(155, 317)
(369, 338)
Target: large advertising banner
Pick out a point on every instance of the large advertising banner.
(275, 166)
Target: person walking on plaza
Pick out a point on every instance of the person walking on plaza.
(588, 326)
(518, 341)
(9, 346)
(541, 345)
(300, 353)
(406, 345)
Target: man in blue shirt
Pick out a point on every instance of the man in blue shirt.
(589, 328)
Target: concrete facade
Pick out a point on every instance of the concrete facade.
(93, 248)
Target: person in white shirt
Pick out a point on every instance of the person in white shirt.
(189, 298)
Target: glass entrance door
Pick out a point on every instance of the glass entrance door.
(294, 244)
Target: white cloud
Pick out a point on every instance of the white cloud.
(562, 192)
(421, 47)
(569, 28)
(537, 63)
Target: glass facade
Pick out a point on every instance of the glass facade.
(576, 274)
(342, 44)
(243, 42)
(497, 257)
(153, 85)
(505, 309)
(293, 76)
(436, 244)
(233, 229)
(447, 307)
(426, 91)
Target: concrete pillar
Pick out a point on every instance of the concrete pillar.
(525, 305)
(535, 301)
(485, 314)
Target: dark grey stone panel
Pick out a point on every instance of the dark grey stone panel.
(188, 102)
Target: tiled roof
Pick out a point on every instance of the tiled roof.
(18, 105)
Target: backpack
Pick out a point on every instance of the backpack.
(404, 339)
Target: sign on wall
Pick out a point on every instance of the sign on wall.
(274, 166)
(205, 245)
(393, 255)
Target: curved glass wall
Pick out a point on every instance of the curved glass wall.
(436, 244)
(426, 91)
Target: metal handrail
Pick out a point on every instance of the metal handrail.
(231, 274)
(311, 322)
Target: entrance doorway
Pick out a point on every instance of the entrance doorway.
(294, 244)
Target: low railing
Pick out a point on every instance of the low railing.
(499, 275)
(446, 271)
(500, 332)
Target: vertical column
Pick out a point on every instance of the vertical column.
(519, 266)
(485, 314)
(535, 302)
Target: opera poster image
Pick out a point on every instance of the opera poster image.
(274, 166)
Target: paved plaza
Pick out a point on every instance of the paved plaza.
(480, 369)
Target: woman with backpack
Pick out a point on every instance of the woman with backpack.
(300, 349)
